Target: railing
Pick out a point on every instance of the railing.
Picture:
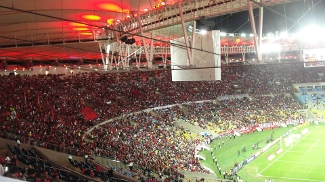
(169, 15)
(38, 143)
(70, 151)
(163, 50)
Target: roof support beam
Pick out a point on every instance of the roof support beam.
(260, 29)
(142, 35)
(188, 50)
(149, 62)
(252, 21)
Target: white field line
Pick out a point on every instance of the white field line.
(297, 151)
(312, 146)
(285, 152)
(302, 162)
(296, 179)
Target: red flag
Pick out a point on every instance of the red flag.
(88, 113)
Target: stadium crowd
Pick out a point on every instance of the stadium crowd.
(48, 109)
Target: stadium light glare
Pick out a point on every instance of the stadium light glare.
(223, 34)
(284, 34)
(269, 35)
(267, 48)
(311, 34)
(243, 35)
(203, 32)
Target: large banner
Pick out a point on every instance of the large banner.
(206, 59)
(314, 57)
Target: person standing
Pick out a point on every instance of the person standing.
(2, 170)
(18, 142)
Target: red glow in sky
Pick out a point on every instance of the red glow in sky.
(91, 17)
(110, 21)
(77, 24)
(86, 33)
(113, 7)
(80, 28)
(110, 7)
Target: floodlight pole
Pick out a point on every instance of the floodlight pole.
(252, 20)
(188, 50)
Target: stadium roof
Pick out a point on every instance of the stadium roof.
(64, 29)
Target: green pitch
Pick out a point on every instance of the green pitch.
(302, 161)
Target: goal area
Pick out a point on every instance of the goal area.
(292, 139)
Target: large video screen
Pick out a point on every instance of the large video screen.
(314, 57)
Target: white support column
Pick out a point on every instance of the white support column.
(117, 47)
(252, 20)
(243, 53)
(126, 57)
(100, 44)
(227, 55)
(112, 59)
(119, 44)
(188, 50)
(141, 32)
(301, 56)
(149, 62)
(138, 58)
(165, 59)
(193, 38)
(108, 64)
(260, 30)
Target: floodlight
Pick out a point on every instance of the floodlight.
(312, 34)
(223, 34)
(284, 34)
(203, 32)
(266, 48)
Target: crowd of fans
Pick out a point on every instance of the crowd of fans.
(9, 168)
(153, 142)
(47, 109)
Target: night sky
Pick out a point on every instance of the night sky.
(239, 22)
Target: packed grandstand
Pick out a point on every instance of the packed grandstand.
(132, 117)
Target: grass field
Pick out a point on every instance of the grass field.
(302, 161)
